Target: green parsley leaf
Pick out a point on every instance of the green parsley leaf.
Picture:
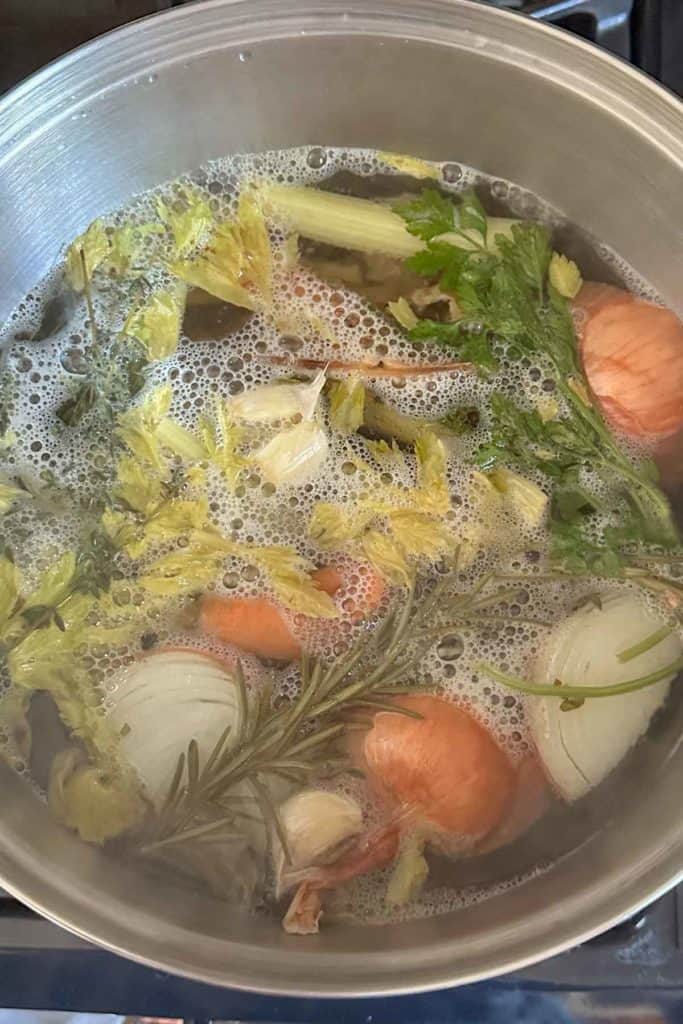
(429, 215)
(470, 347)
(472, 214)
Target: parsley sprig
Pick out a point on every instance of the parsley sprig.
(502, 287)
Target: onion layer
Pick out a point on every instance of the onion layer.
(444, 769)
(580, 747)
(632, 353)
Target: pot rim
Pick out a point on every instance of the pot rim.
(140, 48)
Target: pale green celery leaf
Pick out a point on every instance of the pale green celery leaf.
(332, 526)
(172, 519)
(387, 556)
(125, 243)
(432, 480)
(9, 589)
(92, 247)
(156, 324)
(9, 495)
(46, 660)
(124, 531)
(7, 440)
(98, 804)
(177, 516)
(347, 405)
(403, 313)
(188, 219)
(289, 576)
(138, 426)
(236, 264)
(409, 874)
(381, 450)
(185, 571)
(523, 496)
(180, 441)
(136, 486)
(421, 535)
(203, 273)
(564, 276)
(222, 443)
(55, 583)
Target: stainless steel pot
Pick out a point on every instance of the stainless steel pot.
(448, 80)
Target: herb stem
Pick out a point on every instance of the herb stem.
(646, 644)
(580, 692)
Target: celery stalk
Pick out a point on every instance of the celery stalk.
(358, 224)
(180, 441)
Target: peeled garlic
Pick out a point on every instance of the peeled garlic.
(315, 825)
(293, 455)
(269, 402)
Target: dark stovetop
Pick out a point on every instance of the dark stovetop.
(638, 963)
(634, 972)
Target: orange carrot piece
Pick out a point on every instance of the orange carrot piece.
(252, 624)
(257, 624)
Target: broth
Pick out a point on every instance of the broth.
(166, 515)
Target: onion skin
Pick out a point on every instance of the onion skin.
(632, 355)
(444, 769)
(531, 799)
(371, 853)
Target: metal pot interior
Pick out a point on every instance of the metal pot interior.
(441, 80)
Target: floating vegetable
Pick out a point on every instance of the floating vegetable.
(580, 746)
(85, 254)
(316, 826)
(278, 401)
(523, 498)
(443, 769)
(258, 625)
(374, 851)
(156, 324)
(293, 455)
(382, 368)
(10, 494)
(98, 804)
(632, 353)
(410, 872)
(162, 699)
(236, 263)
(347, 401)
(360, 224)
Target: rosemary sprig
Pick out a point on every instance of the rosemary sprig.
(302, 739)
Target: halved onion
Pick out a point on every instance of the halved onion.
(580, 747)
(165, 700)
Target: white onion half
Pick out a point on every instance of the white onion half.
(579, 748)
(165, 700)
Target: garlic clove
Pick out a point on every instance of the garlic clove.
(316, 825)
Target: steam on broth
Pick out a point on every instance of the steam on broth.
(335, 556)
